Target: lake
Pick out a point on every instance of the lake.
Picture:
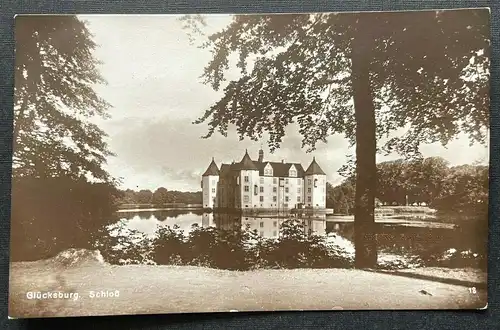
(426, 239)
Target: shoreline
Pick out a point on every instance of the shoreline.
(379, 219)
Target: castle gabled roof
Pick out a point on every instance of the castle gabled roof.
(280, 169)
(314, 168)
(212, 169)
(247, 163)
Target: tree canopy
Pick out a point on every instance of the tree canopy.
(364, 75)
(58, 151)
(428, 73)
(55, 76)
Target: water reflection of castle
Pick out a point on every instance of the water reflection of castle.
(268, 227)
(264, 185)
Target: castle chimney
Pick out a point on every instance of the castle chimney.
(261, 155)
(282, 161)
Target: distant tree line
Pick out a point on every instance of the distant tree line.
(159, 196)
(428, 181)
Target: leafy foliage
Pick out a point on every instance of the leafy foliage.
(341, 197)
(61, 193)
(301, 73)
(465, 190)
(460, 189)
(55, 73)
(236, 248)
(120, 245)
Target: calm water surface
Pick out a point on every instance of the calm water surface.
(403, 237)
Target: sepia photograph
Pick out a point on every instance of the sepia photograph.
(250, 162)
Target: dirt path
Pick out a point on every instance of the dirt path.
(169, 289)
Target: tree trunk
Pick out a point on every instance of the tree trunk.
(366, 169)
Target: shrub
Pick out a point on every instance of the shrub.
(119, 245)
(169, 246)
(233, 249)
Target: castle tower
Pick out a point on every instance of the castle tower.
(249, 182)
(315, 186)
(261, 155)
(209, 185)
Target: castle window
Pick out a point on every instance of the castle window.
(213, 190)
(261, 189)
(308, 190)
(262, 224)
(261, 198)
(298, 190)
(286, 189)
(298, 198)
(274, 198)
(246, 178)
(286, 181)
(246, 188)
(246, 199)
(308, 198)
(286, 199)
(255, 190)
(261, 180)
(274, 180)
(293, 173)
(315, 183)
(274, 189)
(275, 223)
(309, 181)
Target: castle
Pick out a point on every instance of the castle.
(260, 184)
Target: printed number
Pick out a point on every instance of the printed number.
(472, 290)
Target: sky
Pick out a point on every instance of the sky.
(152, 72)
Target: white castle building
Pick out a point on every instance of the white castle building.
(260, 184)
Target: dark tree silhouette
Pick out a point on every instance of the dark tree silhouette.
(57, 150)
(55, 73)
(360, 74)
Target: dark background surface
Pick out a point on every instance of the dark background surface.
(488, 319)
